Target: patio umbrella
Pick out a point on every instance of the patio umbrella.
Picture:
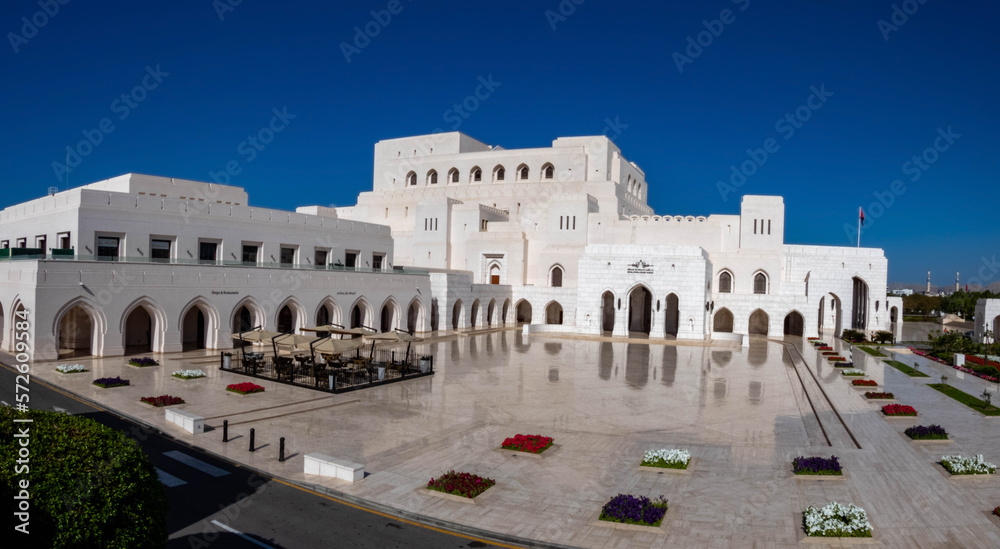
(291, 342)
(396, 337)
(256, 336)
(335, 346)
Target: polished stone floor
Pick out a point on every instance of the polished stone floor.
(742, 412)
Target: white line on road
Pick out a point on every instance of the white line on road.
(168, 480)
(4, 402)
(240, 534)
(58, 409)
(198, 464)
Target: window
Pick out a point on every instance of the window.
(725, 283)
(522, 173)
(548, 171)
(64, 241)
(432, 177)
(351, 259)
(483, 225)
(494, 274)
(453, 176)
(22, 243)
(5, 245)
(107, 248)
(759, 284)
(411, 179)
(208, 251)
(249, 254)
(287, 256)
(477, 175)
(768, 226)
(377, 261)
(41, 243)
(319, 258)
(499, 173)
(159, 251)
(556, 277)
(754, 226)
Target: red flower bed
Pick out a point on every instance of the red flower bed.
(461, 484)
(997, 511)
(245, 388)
(836, 358)
(980, 361)
(959, 368)
(898, 410)
(864, 383)
(872, 395)
(163, 400)
(825, 348)
(534, 444)
(813, 339)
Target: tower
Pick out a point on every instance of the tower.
(956, 281)
(928, 283)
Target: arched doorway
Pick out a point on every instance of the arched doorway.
(3, 326)
(387, 319)
(456, 315)
(793, 324)
(523, 312)
(505, 312)
(859, 305)
(286, 320)
(996, 328)
(242, 322)
(194, 329)
(673, 315)
(474, 316)
(357, 316)
(640, 310)
(758, 323)
(138, 334)
(413, 316)
(608, 312)
(723, 321)
(554, 313)
(323, 316)
(76, 334)
(435, 315)
(491, 313)
(835, 314)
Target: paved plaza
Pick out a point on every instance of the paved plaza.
(744, 413)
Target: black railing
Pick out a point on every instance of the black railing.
(357, 369)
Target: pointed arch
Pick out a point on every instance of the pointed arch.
(723, 321)
(411, 179)
(432, 177)
(523, 172)
(79, 327)
(474, 313)
(476, 175)
(553, 313)
(548, 171)
(290, 316)
(505, 312)
(199, 325)
(758, 322)
(556, 276)
(389, 315)
(453, 175)
(794, 322)
(640, 309)
(361, 313)
(608, 311)
(328, 312)
(725, 281)
(246, 315)
(143, 327)
(491, 313)
(761, 283)
(522, 312)
(457, 315)
(499, 173)
(673, 314)
(415, 320)
(859, 304)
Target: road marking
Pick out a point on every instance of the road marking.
(58, 409)
(168, 480)
(198, 464)
(240, 534)
(4, 402)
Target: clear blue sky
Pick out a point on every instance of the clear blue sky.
(602, 61)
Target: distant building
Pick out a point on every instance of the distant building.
(901, 292)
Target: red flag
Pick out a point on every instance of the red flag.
(861, 214)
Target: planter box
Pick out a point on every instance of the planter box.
(834, 542)
(666, 470)
(453, 497)
(531, 455)
(658, 530)
(927, 440)
(945, 472)
(834, 478)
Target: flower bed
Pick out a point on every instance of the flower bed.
(864, 383)
(959, 368)
(837, 521)
(898, 410)
(843, 364)
(997, 511)
(465, 485)
(70, 368)
(640, 510)
(143, 362)
(188, 374)
(245, 388)
(873, 395)
(958, 465)
(533, 444)
(667, 459)
(829, 353)
(163, 400)
(813, 339)
(109, 382)
(825, 348)
(817, 466)
(852, 372)
(836, 358)
(927, 432)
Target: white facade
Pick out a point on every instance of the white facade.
(987, 320)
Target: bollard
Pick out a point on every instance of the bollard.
(251, 439)
(225, 430)
(281, 449)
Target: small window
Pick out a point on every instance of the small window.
(377, 261)
(41, 243)
(159, 251)
(320, 257)
(522, 173)
(549, 171)
(107, 248)
(432, 177)
(725, 283)
(23, 243)
(557, 276)
(249, 254)
(411, 179)
(453, 176)
(5, 245)
(351, 260)
(477, 175)
(499, 173)
(768, 226)
(64, 242)
(287, 256)
(759, 284)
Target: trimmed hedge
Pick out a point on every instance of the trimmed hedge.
(91, 486)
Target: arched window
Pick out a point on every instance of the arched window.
(453, 176)
(548, 171)
(499, 173)
(522, 173)
(555, 278)
(638, 189)
(725, 283)
(432, 177)
(760, 283)
(476, 175)
(411, 179)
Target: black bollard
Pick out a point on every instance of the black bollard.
(225, 430)
(281, 449)
(251, 440)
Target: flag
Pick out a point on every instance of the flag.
(861, 215)
(966, 287)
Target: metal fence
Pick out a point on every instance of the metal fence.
(357, 369)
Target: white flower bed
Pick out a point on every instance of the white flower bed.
(958, 465)
(837, 520)
(189, 374)
(70, 368)
(677, 459)
(853, 372)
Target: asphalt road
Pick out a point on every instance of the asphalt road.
(218, 504)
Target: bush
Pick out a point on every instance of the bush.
(91, 486)
(466, 485)
(817, 466)
(853, 336)
(883, 337)
(630, 509)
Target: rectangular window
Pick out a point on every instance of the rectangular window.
(41, 243)
(560, 222)
(351, 260)
(5, 245)
(208, 251)
(754, 226)
(22, 242)
(249, 254)
(287, 256)
(574, 222)
(377, 261)
(107, 248)
(425, 223)
(64, 242)
(768, 226)
(320, 258)
(159, 251)
(435, 223)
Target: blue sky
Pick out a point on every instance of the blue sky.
(211, 74)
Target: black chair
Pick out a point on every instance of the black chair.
(283, 365)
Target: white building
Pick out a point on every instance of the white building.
(560, 238)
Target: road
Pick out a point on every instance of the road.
(218, 504)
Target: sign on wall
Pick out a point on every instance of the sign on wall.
(639, 267)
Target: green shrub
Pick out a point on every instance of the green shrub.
(90, 485)
(883, 337)
(853, 336)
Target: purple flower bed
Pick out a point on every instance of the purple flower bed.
(142, 362)
(843, 365)
(109, 382)
(635, 510)
(816, 466)
(927, 432)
